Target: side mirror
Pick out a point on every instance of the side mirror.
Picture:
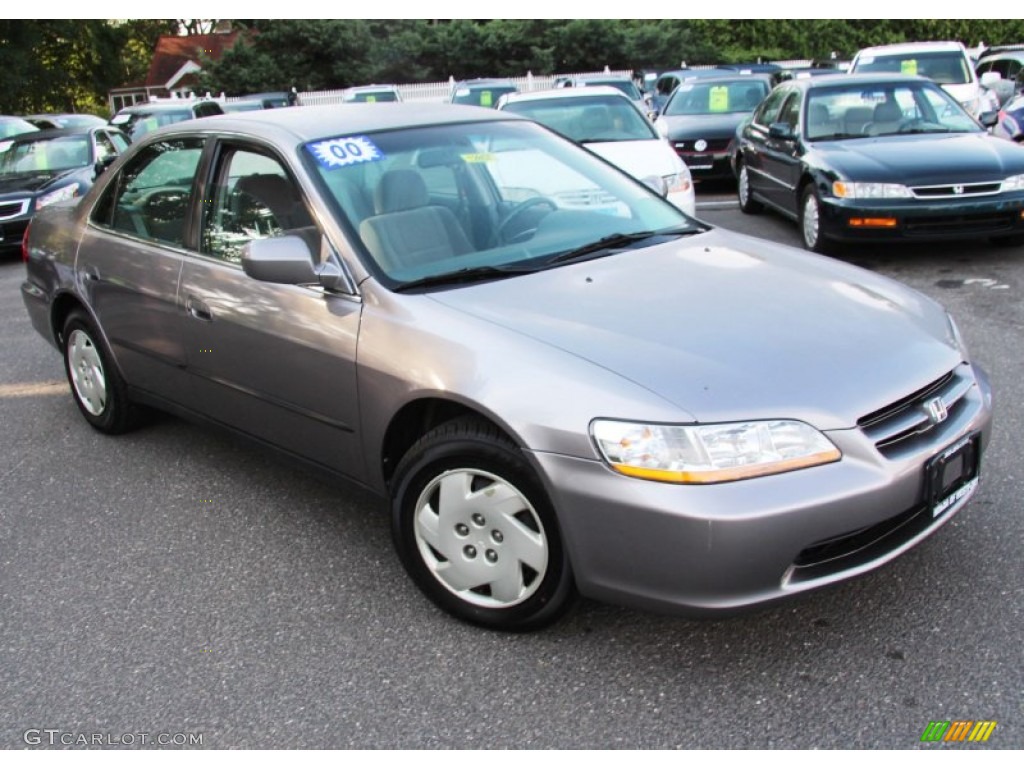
(989, 78)
(103, 163)
(782, 131)
(287, 259)
(989, 119)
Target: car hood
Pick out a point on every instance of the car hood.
(703, 126)
(727, 327)
(640, 159)
(33, 182)
(911, 160)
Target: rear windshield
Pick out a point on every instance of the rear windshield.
(944, 67)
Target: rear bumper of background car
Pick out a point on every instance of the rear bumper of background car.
(720, 548)
(857, 220)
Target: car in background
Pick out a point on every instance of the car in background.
(12, 126)
(700, 119)
(43, 167)
(1010, 123)
(607, 122)
(853, 158)
(668, 81)
(619, 82)
(68, 120)
(371, 94)
(255, 101)
(1005, 60)
(481, 92)
(945, 63)
(625, 403)
(139, 119)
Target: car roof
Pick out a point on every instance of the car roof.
(54, 133)
(309, 123)
(484, 81)
(163, 106)
(871, 78)
(898, 48)
(374, 87)
(731, 77)
(565, 93)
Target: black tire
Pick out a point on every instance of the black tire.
(96, 385)
(501, 568)
(810, 222)
(1007, 241)
(743, 193)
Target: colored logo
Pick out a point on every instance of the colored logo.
(958, 730)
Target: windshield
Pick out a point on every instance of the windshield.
(469, 198)
(735, 96)
(371, 97)
(136, 124)
(944, 67)
(51, 155)
(481, 95)
(587, 118)
(884, 110)
(14, 127)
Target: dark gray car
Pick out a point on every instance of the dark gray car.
(559, 381)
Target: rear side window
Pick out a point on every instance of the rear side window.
(150, 196)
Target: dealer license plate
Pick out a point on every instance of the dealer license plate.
(952, 476)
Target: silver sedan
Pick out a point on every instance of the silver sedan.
(560, 382)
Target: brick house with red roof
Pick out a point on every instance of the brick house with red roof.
(176, 60)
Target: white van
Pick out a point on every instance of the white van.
(946, 63)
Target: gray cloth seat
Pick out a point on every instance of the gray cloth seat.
(279, 196)
(886, 118)
(407, 231)
(856, 119)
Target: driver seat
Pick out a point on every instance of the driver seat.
(407, 231)
(886, 119)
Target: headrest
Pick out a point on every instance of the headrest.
(400, 190)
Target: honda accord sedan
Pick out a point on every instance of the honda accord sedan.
(878, 158)
(560, 383)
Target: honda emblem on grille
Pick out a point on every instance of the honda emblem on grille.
(958, 189)
(936, 409)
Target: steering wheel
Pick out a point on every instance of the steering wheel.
(910, 124)
(163, 202)
(516, 212)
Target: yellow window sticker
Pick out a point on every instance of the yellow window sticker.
(908, 67)
(718, 99)
(486, 100)
(479, 157)
(371, 98)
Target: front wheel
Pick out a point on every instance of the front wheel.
(99, 391)
(810, 222)
(475, 530)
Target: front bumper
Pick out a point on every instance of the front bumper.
(914, 219)
(720, 548)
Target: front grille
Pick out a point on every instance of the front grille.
(11, 208)
(713, 145)
(859, 547)
(957, 190)
(906, 424)
(965, 224)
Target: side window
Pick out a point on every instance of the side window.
(150, 196)
(768, 112)
(119, 140)
(666, 85)
(790, 112)
(253, 197)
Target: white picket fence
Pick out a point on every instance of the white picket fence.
(439, 92)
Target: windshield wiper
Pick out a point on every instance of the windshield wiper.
(612, 243)
(466, 275)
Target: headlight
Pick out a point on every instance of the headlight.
(64, 193)
(1013, 184)
(711, 453)
(678, 182)
(868, 190)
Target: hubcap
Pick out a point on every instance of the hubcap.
(87, 372)
(811, 221)
(481, 538)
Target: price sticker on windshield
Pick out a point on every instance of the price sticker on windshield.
(486, 99)
(908, 67)
(718, 99)
(349, 150)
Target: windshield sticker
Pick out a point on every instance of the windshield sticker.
(480, 157)
(371, 99)
(718, 98)
(120, 119)
(349, 150)
(486, 99)
(908, 67)
(865, 60)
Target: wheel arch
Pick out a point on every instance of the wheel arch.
(415, 419)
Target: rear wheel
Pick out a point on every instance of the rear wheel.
(476, 531)
(99, 391)
(747, 202)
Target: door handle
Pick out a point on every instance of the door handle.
(92, 274)
(198, 309)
